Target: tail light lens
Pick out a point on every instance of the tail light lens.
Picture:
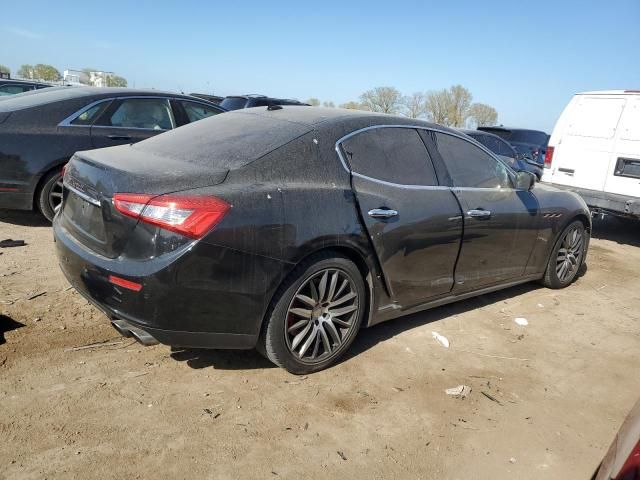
(631, 468)
(192, 216)
(548, 157)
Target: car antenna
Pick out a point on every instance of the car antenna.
(274, 107)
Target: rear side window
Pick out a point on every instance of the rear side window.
(395, 155)
(233, 103)
(89, 116)
(198, 111)
(596, 117)
(145, 113)
(470, 166)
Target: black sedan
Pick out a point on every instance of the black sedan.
(532, 144)
(289, 228)
(13, 87)
(40, 131)
(505, 151)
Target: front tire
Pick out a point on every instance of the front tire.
(49, 197)
(315, 314)
(567, 257)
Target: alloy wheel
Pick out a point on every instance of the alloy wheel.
(55, 195)
(321, 315)
(570, 254)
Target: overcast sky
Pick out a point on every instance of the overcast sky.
(524, 58)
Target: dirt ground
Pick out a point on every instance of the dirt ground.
(546, 399)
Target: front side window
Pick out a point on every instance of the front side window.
(395, 155)
(470, 166)
(146, 113)
(198, 111)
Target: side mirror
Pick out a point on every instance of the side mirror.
(525, 180)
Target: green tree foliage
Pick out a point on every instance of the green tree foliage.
(314, 102)
(40, 71)
(482, 115)
(4, 69)
(116, 81)
(353, 106)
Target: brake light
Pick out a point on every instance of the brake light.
(64, 169)
(121, 282)
(548, 157)
(192, 216)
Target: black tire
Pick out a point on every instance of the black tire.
(558, 275)
(275, 340)
(50, 186)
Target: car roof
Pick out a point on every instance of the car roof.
(509, 129)
(47, 96)
(22, 81)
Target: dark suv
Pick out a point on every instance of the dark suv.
(236, 102)
(530, 143)
(12, 87)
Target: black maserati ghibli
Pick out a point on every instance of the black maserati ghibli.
(288, 229)
(41, 130)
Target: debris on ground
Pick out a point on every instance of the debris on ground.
(523, 322)
(512, 460)
(92, 345)
(460, 391)
(12, 243)
(36, 295)
(492, 398)
(342, 455)
(444, 341)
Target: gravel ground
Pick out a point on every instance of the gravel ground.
(546, 398)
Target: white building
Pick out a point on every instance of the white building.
(85, 77)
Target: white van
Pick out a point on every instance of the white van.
(595, 151)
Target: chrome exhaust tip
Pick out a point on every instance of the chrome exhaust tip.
(125, 329)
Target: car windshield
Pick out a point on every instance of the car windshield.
(233, 103)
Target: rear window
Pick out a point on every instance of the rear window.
(228, 141)
(45, 96)
(533, 137)
(233, 103)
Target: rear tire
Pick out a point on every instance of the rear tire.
(315, 314)
(50, 194)
(567, 257)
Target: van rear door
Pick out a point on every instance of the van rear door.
(624, 170)
(583, 154)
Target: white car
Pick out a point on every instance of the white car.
(595, 151)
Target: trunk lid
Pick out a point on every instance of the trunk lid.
(92, 177)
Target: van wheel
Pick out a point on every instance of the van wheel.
(50, 195)
(567, 256)
(315, 315)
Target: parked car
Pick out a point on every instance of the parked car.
(13, 87)
(529, 143)
(505, 152)
(236, 102)
(288, 229)
(595, 150)
(622, 461)
(209, 98)
(40, 132)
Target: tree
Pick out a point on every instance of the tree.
(437, 106)
(415, 105)
(116, 81)
(382, 99)
(4, 69)
(328, 104)
(314, 102)
(26, 71)
(460, 102)
(353, 106)
(482, 115)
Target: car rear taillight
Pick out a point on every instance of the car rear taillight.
(631, 468)
(192, 216)
(548, 157)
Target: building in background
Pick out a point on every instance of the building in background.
(87, 77)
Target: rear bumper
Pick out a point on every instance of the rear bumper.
(612, 203)
(207, 297)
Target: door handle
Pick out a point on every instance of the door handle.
(382, 213)
(119, 137)
(479, 213)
